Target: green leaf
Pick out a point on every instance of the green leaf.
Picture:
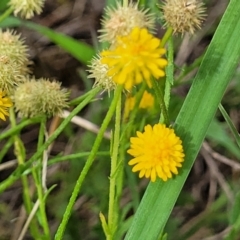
(3, 4)
(196, 114)
(230, 124)
(218, 134)
(235, 220)
(80, 50)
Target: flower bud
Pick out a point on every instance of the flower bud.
(99, 71)
(10, 74)
(40, 96)
(13, 46)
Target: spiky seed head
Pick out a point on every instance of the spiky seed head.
(99, 71)
(26, 8)
(40, 97)
(12, 46)
(121, 20)
(184, 16)
(10, 74)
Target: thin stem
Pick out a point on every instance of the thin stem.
(128, 127)
(19, 152)
(169, 77)
(125, 3)
(160, 99)
(113, 210)
(127, 130)
(6, 14)
(15, 129)
(66, 216)
(18, 172)
(6, 147)
(37, 173)
(166, 36)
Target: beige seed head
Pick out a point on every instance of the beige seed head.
(121, 20)
(184, 16)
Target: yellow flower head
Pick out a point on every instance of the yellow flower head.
(5, 103)
(135, 57)
(121, 20)
(157, 152)
(147, 102)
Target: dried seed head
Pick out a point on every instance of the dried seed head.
(183, 15)
(121, 20)
(39, 97)
(26, 8)
(99, 71)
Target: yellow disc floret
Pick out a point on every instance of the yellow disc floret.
(157, 152)
(136, 57)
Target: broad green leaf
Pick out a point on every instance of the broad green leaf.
(80, 50)
(196, 114)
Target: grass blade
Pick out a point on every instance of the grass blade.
(230, 124)
(80, 50)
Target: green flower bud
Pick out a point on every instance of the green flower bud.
(99, 71)
(13, 46)
(10, 74)
(37, 97)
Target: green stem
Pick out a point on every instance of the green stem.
(79, 99)
(160, 99)
(6, 14)
(66, 216)
(39, 184)
(166, 36)
(128, 127)
(169, 76)
(125, 3)
(6, 147)
(15, 129)
(18, 172)
(19, 152)
(113, 210)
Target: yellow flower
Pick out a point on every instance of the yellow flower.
(157, 152)
(147, 102)
(134, 58)
(5, 103)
